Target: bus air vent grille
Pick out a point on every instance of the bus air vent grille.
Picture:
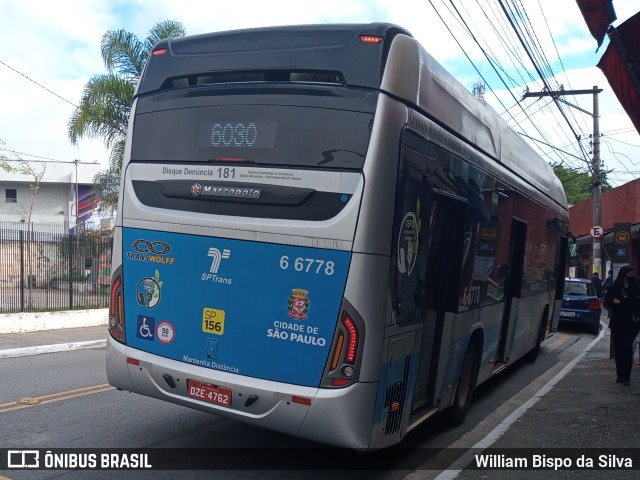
(395, 395)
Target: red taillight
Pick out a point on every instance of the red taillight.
(340, 382)
(133, 361)
(114, 295)
(352, 341)
(342, 368)
(595, 305)
(371, 38)
(116, 310)
(160, 51)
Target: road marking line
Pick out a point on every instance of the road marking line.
(64, 392)
(563, 337)
(57, 397)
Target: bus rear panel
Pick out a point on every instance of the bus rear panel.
(299, 237)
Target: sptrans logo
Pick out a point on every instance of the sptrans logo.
(217, 257)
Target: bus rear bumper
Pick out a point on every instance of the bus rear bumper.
(340, 417)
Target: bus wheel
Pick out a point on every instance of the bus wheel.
(466, 385)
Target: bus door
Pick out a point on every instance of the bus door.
(513, 288)
(446, 239)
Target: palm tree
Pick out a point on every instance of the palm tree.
(103, 111)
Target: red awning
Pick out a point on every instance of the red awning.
(598, 15)
(621, 65)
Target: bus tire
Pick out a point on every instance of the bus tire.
(532, 355)
(466, 385)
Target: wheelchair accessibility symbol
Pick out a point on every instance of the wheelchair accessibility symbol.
(146, 327)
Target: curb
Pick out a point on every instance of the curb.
(38, 321)
(58, 347)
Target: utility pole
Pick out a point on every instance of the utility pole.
(595, 166)
(597, 185)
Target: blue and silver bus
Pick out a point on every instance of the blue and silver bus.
(322, 233)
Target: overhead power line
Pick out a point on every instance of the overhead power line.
(68, 162)
(41, 86)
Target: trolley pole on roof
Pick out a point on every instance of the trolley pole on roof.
(595, 166)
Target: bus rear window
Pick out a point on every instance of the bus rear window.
(295, 136)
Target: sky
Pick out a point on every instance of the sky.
(51, 49)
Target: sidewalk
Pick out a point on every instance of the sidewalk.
(50, 341)
(584, 414)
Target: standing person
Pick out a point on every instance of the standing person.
(624, 300)
(605, 286)
(636, 345)
(597, 283)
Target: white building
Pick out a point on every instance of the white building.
(56, 200)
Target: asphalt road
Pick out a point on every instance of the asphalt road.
(62, 400)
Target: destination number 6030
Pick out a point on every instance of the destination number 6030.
(310, 265)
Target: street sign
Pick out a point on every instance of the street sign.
(622, 237)
(596, 231)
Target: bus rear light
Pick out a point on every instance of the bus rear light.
(340, 382)
(371, 38)
(301, 400)
(114, 294)
(352, 343)
(337, 352)
(160, 51)
(133, 361)
(342, 367)
(116, 309)
(120, 310)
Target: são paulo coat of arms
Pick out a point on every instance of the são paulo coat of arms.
(299, 304)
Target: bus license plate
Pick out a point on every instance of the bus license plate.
(209, 393)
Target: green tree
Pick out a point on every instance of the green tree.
(578, 185)
(103, 110)
(25, 168)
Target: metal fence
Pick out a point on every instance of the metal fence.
(46, 268)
